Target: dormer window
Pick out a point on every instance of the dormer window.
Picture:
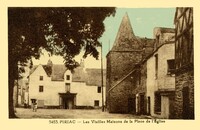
(67, 77)
(41, 78)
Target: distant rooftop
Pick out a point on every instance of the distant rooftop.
(90, 76)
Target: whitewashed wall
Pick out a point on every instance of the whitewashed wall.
(163, 81)
(85, 94)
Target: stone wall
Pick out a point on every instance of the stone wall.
(185, 79)
(141, 80)
(184, 60)
(119, 65)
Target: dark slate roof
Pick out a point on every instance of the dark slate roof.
(90, 76)
(94, 77)
(79, 75)
(58, 72)
(167, 30)
(126, 39)
(47, 69)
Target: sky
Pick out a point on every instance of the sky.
(143, 21)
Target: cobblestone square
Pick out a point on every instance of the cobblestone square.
(72, 114)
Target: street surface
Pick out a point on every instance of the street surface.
(72, 114)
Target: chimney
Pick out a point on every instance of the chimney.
(49, 63)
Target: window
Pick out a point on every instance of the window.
(96, 103)
(171, 66)
(156, 66)
(99, 89)
(41, 77)
(67, 77)
(67, 87)
(157, 107)
(41, 88)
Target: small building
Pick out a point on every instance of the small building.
(54, 86)
(184, 62)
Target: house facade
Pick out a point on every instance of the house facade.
(53, 86)
(161, 75)
(184, 62)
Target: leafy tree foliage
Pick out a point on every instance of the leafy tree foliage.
(60, 31)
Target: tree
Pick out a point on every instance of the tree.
(60, 31)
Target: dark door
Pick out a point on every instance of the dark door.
(149, 106)
(131, 105)
(142, 105)
(186, 108)
(68, 103)
(65, 104)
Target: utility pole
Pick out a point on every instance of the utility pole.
(108, 45)
(102, 77)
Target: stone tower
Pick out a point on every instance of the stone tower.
(124, 55)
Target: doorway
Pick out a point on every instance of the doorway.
(142, 104)
(131, 105)
(67, 103)
(186, 103)
(149, 105)
(67, 100)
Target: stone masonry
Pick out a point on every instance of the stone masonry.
(125, 54)
(184, 60)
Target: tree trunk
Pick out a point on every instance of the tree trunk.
(11, 103)
(12, 70)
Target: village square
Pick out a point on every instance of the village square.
(143, 78)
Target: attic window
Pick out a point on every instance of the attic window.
(67, 77)
(41, 77)
(99, 89)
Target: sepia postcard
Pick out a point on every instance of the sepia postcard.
(128, 65)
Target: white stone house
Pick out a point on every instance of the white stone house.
(53, 86)
(160, 74)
